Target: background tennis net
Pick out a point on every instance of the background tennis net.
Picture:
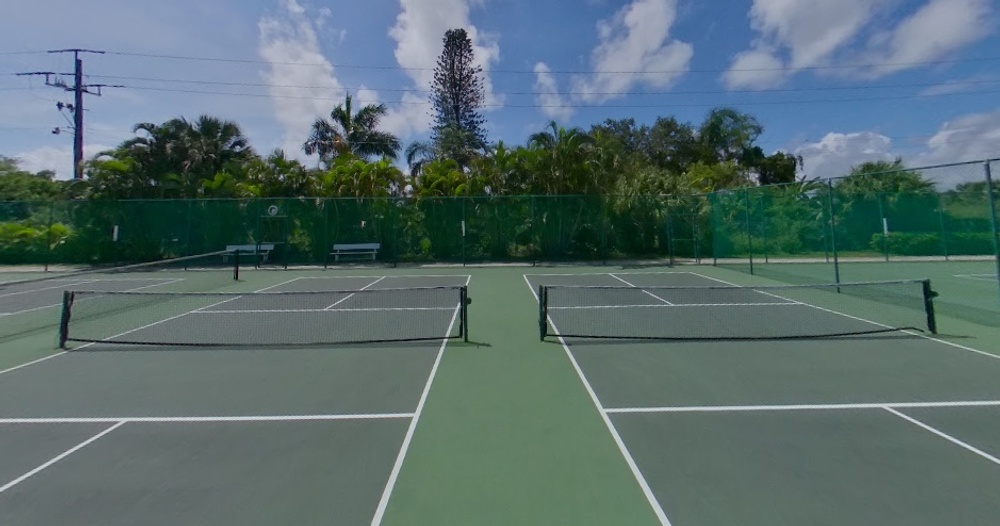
(736, 313)
(264, 318)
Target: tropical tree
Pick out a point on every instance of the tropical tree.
(348, 176)
(563, 164)
(276, 176)
(20, 185)
(457, 94)
(353, 133)
(726, 134)
(176, 157)
(883, 177)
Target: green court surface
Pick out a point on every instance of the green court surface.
(877, 427)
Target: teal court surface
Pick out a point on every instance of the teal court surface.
(689, 395)
(240, 433)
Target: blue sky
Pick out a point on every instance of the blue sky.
(836, 81)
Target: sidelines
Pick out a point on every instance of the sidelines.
(800, 407)
(978, 277)
(66, 282)
(328, 309)
(136, 289)
(349, 296)
(192, 311)
(912, 333)
(646, 292)
(640, 479)
(207, 419)
(619, 273)
(670, 305)
(59, 457)
(383, 502)
(386, 276)
(945, 436)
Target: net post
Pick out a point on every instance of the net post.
(236, 265)
(991, 199)
(464, 314)
(543, 311)
(929, 306)
(67, 303)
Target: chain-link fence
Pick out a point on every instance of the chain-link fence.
(936, 222)
(827, 231)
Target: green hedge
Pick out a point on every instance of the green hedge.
(929, 243)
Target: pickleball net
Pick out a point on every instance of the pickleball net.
(264, 319)
(736, 313)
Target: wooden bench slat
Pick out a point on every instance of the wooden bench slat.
(355, 249)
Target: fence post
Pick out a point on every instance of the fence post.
(883, 226)
(48, 237)
(944, 233)
(833, 231)
(746, 209)
(715, 229)
(993, 217)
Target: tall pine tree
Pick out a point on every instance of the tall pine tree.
(457, 95)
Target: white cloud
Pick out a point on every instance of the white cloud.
(636, 39)
(966, 138)
(548, 98)
(836, 153)
(58, 159)
(419, 29)
(755, 69)
(971, 137)
(969, 84)
(801, 34)
(934, 31)
(291, 38)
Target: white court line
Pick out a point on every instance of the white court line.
(66, 282)
(347, 309)
(349, 296)
(978, 277)
(192, 311)
(646, 292)
(61, 285)
(619, 273)
(799, 407)
(391, 277)
(945, 436)
(383, 503)
(63, 455)
(646, 490)
(136, 289)
(33, 362)
(675, 305)
(912, 333)
(207, 419)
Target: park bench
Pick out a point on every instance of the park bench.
(262, 250)
(355, 249)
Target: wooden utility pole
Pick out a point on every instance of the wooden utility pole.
(76, 108)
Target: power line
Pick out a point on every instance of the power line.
(594, 105)
(976, 82)
(578, 72)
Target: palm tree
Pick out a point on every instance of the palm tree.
(565, 159)
(348, 132)
(179, 155)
